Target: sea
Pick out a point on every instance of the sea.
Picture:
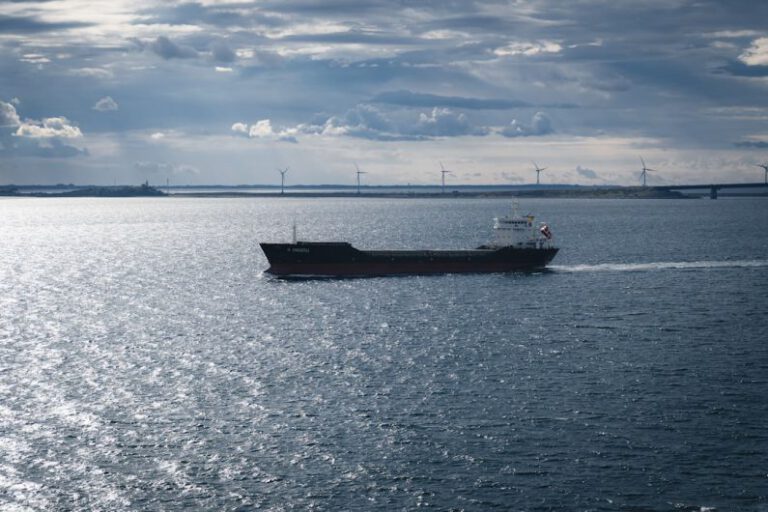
(148, 362)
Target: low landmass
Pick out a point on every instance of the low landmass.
(396, 191)
(564, 193)
(143, 190)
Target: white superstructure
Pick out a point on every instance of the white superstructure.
(518, 231)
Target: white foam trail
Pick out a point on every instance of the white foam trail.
(660, 265)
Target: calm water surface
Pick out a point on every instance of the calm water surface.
(148, 363)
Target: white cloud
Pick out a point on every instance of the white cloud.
(262, 129)
(528, 49)
(8, 114)
(104, 104)
(443, 122)
(540, 125)
(49, 127)
(157, 136)
(757, 54)
(240, 128)
(222, 69)
(92, 72)
(35, 58)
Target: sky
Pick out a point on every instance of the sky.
(228, 92)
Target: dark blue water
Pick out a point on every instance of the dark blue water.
(147, 363)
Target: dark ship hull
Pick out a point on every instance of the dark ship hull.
(341, 259)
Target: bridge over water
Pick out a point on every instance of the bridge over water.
(713, 187)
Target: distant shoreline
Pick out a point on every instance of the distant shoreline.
(472, 194)
(478, 192)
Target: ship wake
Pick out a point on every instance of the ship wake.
(660, 265)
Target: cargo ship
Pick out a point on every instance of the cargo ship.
(518, 244)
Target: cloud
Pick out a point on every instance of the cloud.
(39, 148)
(29, 25)
(36, 138)
(167, 49)
(415, 99)
(49, 127)
(220, 52)
(104, 104)
(587, 173)
(540, 125)
(165, 168)
(367, 122)
(443, 122)
(738, 68)
(363, 121)
(366, 118)
(262, 129)
(759, 144)
(8, 114)
(757, 54)
(92, 72)
(240, 128)
(225, 15)
(528, 49)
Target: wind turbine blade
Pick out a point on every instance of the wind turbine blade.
(543, 169)
(643, 161)
(653, 170)
(442, 167)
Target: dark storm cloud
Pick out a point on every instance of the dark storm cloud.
(52, 149)
(167, 49)
(472, 23)
(30, 24)
(327, 8)
(352, 37)
(220, 52)
(13, 146)
(751, 144)
(587, 173)
(415, 99)
(738, 68)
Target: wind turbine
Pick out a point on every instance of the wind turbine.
(538, 170)
(645, 170)
(282, 179)
(359, 172)
(443, 172)
(765, 168)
